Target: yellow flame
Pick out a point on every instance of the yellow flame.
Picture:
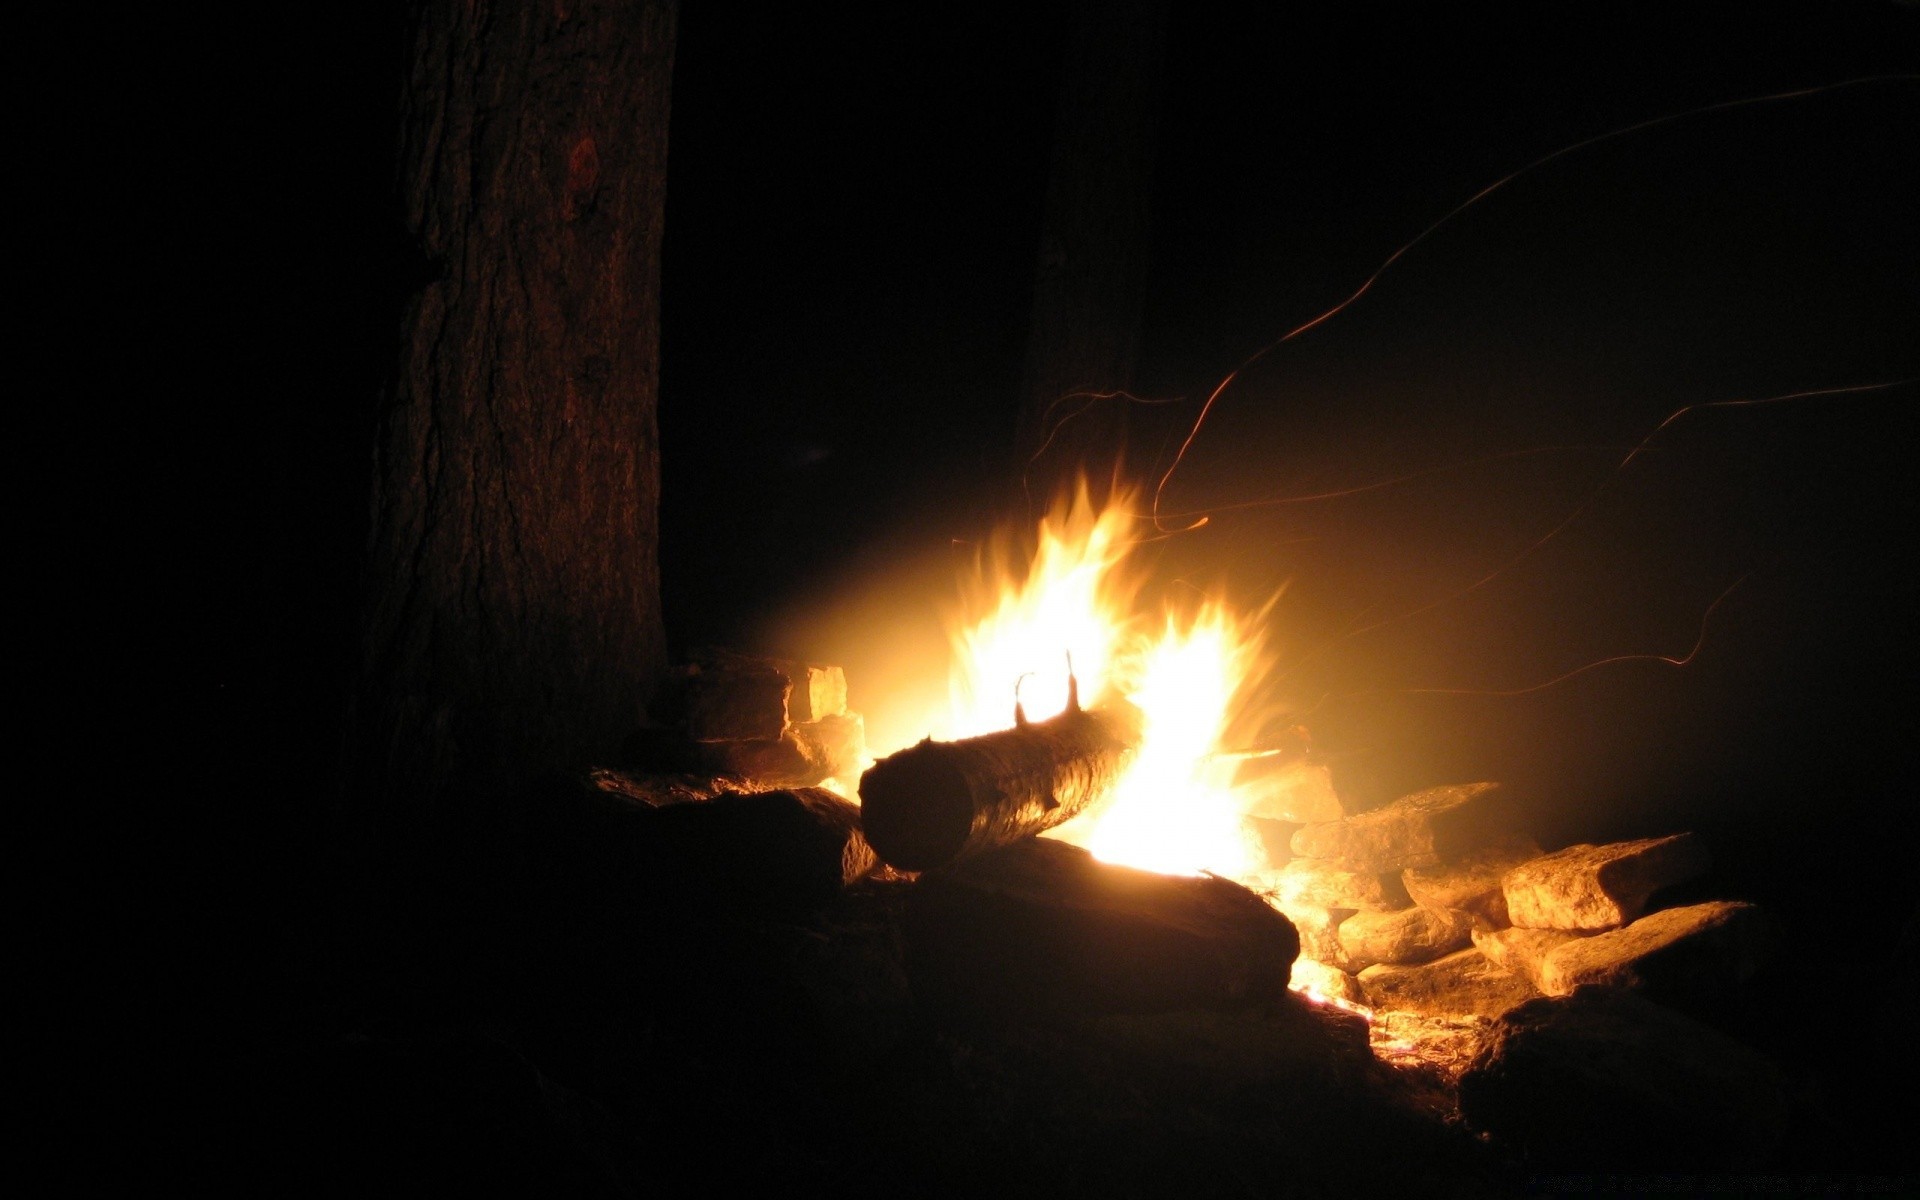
(1176, 810)
(1019, 628)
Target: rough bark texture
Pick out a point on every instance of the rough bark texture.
(513, 611)
(1090, 286)
(938, 801)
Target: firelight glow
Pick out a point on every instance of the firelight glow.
(1175, 810)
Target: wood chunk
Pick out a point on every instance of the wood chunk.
(1042, 928)
(1427, 828)
(1457, 985)
(1288, 789)
(1472, 883)
(743, 699)
(1323, 884)
(818, 692)
(1606, 1076)
(1522, 952)
(835, 746)
(1692, 957)
(938, 801)
(1318, 979)
(1592, 888)
(1412, 935)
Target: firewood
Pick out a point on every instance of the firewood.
(1042, 928)
(938, 801)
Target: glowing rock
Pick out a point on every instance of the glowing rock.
(1412, 935)
(1457, 985)
(1691, 956)
(1425, 829)
(1323, 884)
(1472, 884)
(1522, 952)
(1599, 887)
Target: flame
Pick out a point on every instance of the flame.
(1018, 631)
(1191, 674)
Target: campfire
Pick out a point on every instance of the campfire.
(1113, 816)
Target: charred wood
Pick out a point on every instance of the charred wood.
(1042, 928)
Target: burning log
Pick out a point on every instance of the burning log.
(938, 801)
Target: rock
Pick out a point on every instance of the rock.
(1425, 829)
(1323, 884)
(1275, 837)
(1041, 928)
(1522, 952)
(1472, 884)
(1317, 980)
(1460, 984)
(1412, 935)
(1695, 956)
(1288, 789)
(1592, 888)
(1319, 931)
(1606, 1076)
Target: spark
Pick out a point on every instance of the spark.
(1366, 285)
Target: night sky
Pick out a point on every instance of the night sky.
(853, 209)
(852, 222)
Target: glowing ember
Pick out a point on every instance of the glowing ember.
(1175, 811)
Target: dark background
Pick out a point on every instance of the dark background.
(853, 209)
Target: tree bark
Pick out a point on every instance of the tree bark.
(1090, 284)
(513, 614)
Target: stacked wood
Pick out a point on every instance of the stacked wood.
(936, 802)
(765, 722)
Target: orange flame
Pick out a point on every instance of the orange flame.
(1192, 677)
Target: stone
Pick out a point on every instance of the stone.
(1592, 888)
(1425, 829)
(1321, 883)
(1460, 984)
(1275, 838)
(1472, 883)
(1412, 935)
(1319, 981)
(1288, 789)
(1522, 952)
(1319, 930)
(1691, 957)
(1607, 1076)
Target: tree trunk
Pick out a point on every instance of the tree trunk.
(513, 614)
(1090, 285)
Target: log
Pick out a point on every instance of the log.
(1043, 929)
(939, 801)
